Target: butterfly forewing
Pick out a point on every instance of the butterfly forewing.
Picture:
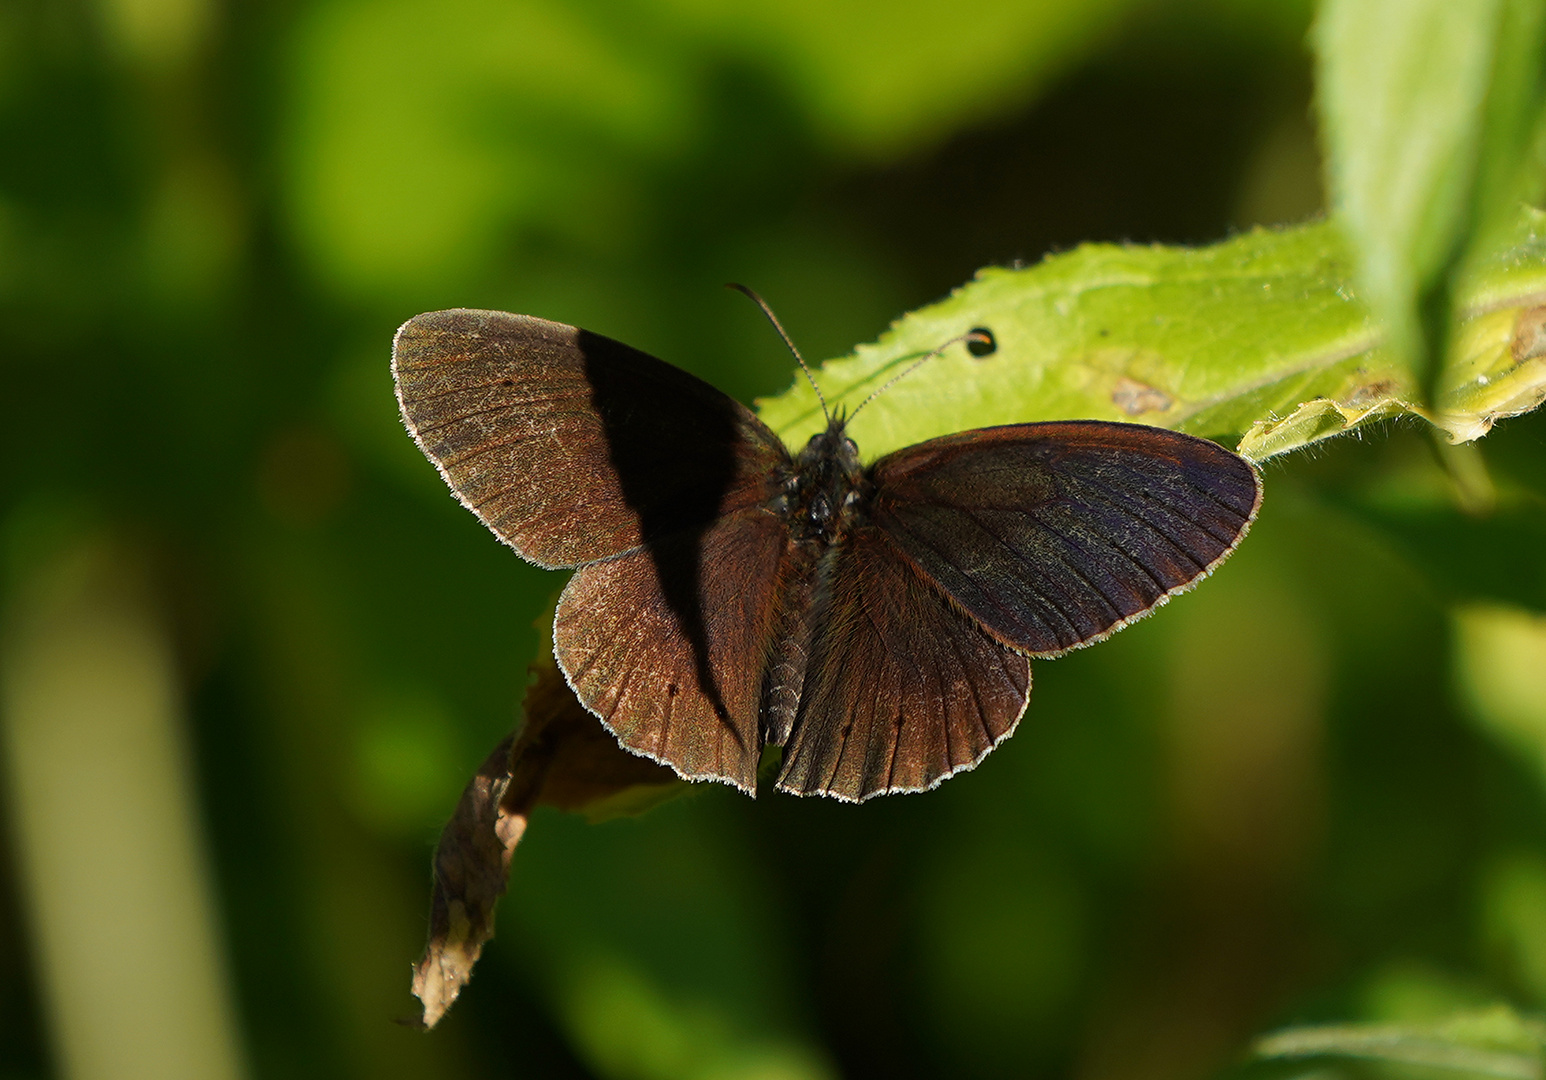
(1053, 535)
(903, 689)
(571, 446)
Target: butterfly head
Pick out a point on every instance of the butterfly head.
(826, 486)
(831, 447)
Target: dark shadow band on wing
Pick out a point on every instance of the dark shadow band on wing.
(630, 660)
(574, 448)
(570, 446)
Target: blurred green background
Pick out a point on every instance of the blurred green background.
(252, 649)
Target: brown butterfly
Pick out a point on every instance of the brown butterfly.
(874, 621)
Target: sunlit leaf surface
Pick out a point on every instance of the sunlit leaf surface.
(1261, 339)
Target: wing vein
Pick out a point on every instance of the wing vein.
(1094, 493)
(1080, 574)
(1025, 562)
(1007, 612)
(445, 422)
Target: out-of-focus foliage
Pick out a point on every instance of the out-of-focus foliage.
(1432, 116)
(252, 649)
(1490, 1042)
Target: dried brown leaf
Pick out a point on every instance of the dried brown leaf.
(472, 862)
(562, 757)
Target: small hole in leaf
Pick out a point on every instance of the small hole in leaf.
(980, 342)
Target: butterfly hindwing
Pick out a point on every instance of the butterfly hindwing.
(1054, 535)
(902, 689)
(570, 446)
(678, 678)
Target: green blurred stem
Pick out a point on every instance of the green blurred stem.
(1475, 492)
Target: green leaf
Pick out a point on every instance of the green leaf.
(1428, 112)
(1261, 338)
(1511, 166)
(1488, 1042)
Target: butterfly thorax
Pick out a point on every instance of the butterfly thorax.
(822, 497)
(824, 491)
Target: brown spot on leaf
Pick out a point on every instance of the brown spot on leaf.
(1370, 394)
(1529, 338)
(1135, 398)
(562, 757)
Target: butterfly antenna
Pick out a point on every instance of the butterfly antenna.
(971, 335)
(772, 318)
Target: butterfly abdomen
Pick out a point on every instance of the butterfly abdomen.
(789, 656)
